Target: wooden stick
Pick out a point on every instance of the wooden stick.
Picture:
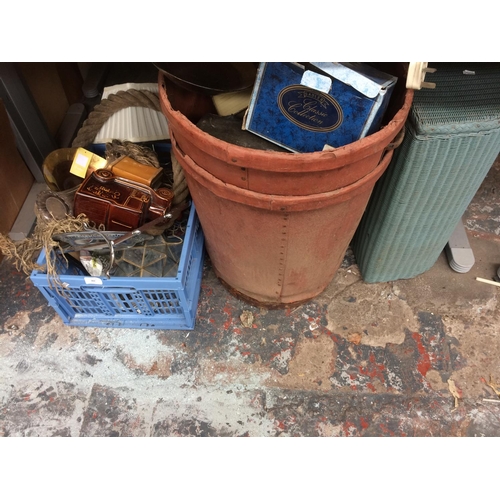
(490, 282)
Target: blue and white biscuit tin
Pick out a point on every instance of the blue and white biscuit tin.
(305, 107)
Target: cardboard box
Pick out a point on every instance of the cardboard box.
(305, 107)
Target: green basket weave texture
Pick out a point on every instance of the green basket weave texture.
(460, 103)
(452, 139)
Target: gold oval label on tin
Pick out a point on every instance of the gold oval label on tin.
(310, 109)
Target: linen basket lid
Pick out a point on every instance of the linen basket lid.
(466, 100)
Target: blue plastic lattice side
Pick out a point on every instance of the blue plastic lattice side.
(160, 303)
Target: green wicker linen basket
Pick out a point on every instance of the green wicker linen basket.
(452, 138)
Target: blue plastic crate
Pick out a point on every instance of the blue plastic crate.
(124, 302)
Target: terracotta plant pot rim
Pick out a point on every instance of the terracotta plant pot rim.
(281, 161)
(279, 202)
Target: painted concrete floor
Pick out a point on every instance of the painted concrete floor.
(415, 357)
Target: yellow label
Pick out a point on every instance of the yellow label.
(81, 163)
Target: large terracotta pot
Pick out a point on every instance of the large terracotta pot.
(277, 225)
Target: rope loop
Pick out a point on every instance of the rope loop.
(103, 111)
